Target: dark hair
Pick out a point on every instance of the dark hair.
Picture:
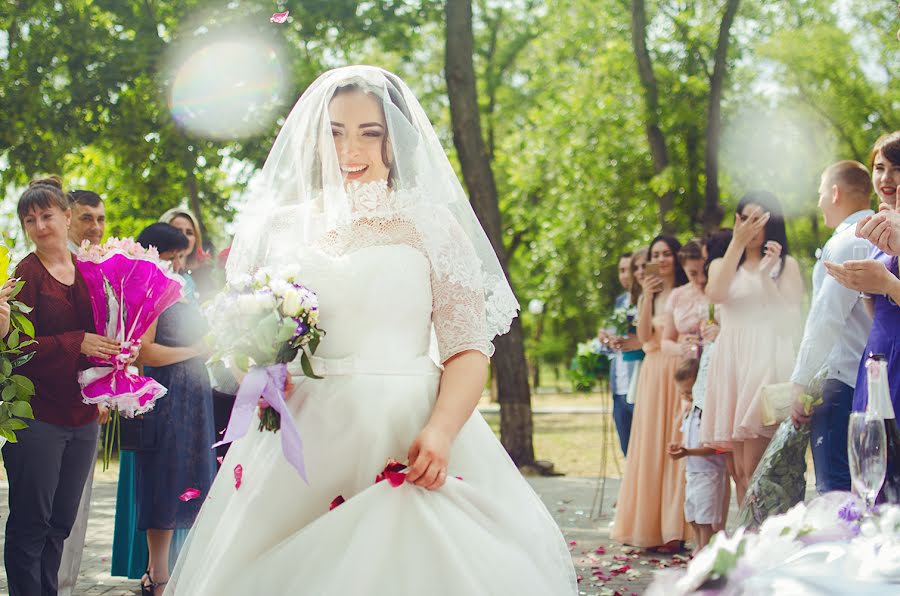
(716, 244)
(687, 370)
(691, 251)
(625, 255)
(774, 229)
(889, 146)
(42, 193)
(674, 246)
(163, 236)
(396, 99)
(84, 197)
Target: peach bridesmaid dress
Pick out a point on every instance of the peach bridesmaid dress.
(756, 347)
(650, 510)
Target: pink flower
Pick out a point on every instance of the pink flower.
(394, 472)
(189, 495)
(280, 17)
(338, 500)
(238, 475)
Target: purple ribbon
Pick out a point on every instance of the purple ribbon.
(268, 383)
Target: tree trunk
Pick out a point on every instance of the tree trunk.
(712, 210)
(509, 360)
(655, 137)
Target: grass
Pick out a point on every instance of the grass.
(573, 442)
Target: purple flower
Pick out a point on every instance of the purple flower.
(302, 328)
(849, 512)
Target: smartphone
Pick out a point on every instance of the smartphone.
(651, 269)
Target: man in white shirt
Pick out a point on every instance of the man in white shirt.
(837, 327)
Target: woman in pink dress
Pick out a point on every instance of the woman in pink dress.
(760, 289)
(650, 510)
(686, 308)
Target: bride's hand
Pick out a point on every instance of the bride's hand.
(428, 457)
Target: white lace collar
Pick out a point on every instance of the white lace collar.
(368, 198)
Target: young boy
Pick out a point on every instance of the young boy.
(704, 493)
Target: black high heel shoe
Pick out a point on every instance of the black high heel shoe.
(149, 588)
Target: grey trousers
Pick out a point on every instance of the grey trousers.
(47, 469)
(73, 548)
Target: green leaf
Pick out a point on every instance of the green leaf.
(8, 435)
(9, 392)
(23, 360)
(22, 323)
(306, 365)
(13, 340)
(22, 409)
(16, 289)
(23, 382)
(21, 306)
(314, 343)
(6, 367)
(15, 424)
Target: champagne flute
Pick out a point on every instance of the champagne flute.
(861, 253)
(867, 456)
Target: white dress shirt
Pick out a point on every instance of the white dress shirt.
(838, 324)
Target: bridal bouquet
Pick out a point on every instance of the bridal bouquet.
(129, 288)
(260, 324)
(622, 320)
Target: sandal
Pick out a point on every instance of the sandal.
(149, 588)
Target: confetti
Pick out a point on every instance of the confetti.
(280, 17)
(189, 495)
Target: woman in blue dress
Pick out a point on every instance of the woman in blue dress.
(181, 424)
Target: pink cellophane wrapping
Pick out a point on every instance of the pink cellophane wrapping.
(128, 290)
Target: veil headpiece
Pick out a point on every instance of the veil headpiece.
(300, 202)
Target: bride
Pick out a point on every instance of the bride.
(358, 193)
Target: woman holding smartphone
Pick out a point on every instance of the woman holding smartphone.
(650, 511)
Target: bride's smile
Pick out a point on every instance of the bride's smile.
(358, 129)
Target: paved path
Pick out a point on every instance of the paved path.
(604, 568)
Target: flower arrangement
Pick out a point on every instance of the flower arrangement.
(621, 321)
(259, 325)
(129, 288)
(786, 545)
(588, 364)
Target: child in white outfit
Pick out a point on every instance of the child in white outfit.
(705, 471)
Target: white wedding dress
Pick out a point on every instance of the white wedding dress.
(484, 533)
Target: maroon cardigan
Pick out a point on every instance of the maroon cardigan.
(61, 316)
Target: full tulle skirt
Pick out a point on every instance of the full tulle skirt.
(484, 532)
(650, 505)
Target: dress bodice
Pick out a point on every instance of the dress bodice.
(688, 304)
(749, 305)
(374, 303)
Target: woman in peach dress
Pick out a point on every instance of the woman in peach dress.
(650, 510)
(760, 290)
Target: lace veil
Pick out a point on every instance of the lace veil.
(300, 203)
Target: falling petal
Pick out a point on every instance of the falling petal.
(220, 459)
(189, 494)
(280, 17)
(573, 543)
(238, 475)
(338, 500)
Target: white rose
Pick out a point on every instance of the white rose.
(280, 287)
(292, 304)
(264, 302)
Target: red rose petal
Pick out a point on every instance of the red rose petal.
(279, 17)
(394, 472)
(189, 494)
(573, 543)
(338, 500)
(220, 459)
(238, 475)
(600, 550)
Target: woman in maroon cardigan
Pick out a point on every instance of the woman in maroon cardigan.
(48, 465)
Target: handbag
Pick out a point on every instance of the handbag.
(777, 401)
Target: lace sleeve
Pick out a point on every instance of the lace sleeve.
(459, 304)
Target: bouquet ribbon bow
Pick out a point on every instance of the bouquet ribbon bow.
(267, 382)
